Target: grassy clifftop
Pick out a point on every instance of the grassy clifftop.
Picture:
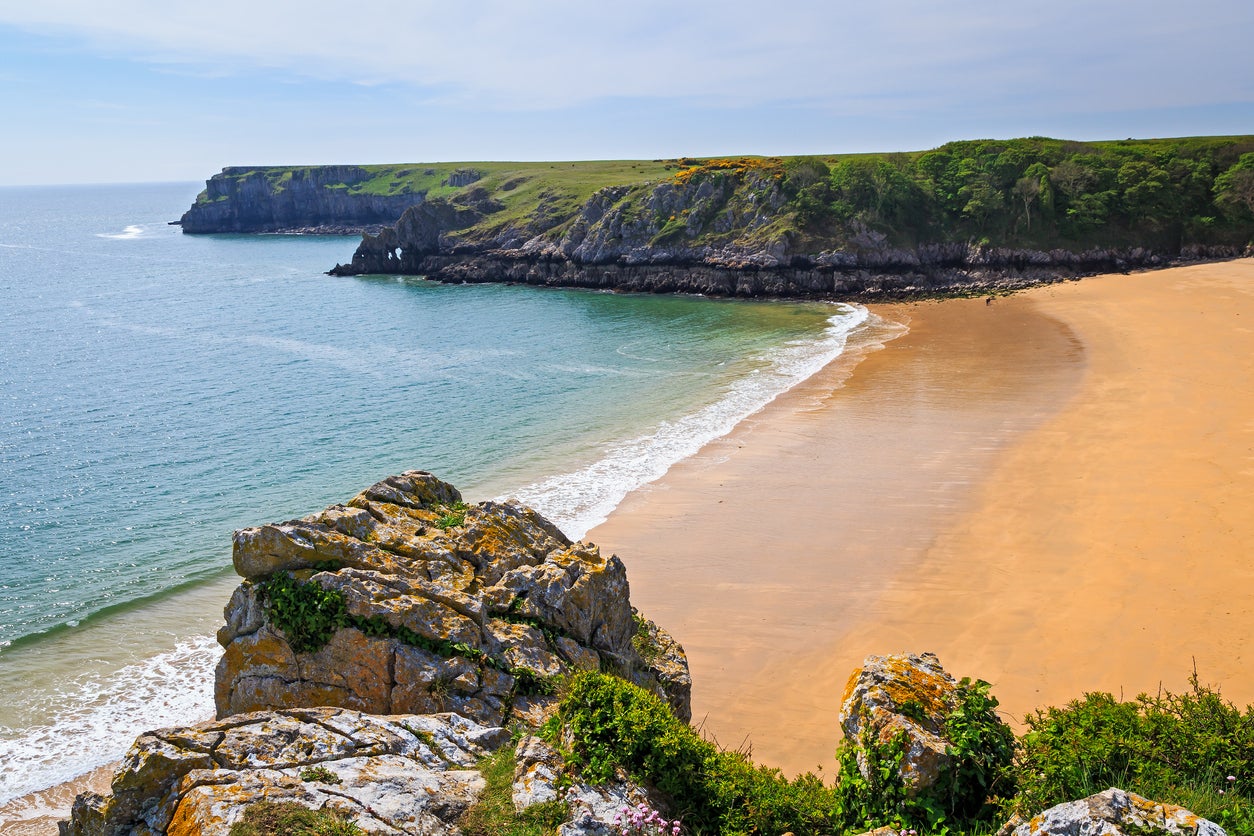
(1036, 192)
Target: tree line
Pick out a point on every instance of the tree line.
(1036, 192)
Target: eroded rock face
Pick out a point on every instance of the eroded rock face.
(428, 606)
(1117, 813)
(891, 695)
(400, 774)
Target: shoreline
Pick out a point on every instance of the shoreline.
(1076, 492)
(896, 575)
(843, 482)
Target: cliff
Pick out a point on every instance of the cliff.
(964, 216)
(314, 199)
(967, 215)
(405, 600)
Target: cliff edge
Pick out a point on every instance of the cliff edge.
(406, 600)
(339, 199)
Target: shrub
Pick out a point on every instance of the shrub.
(1175, 748)
(981, 753)
(609, 723)
(306, 613)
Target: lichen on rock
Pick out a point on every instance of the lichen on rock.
(407, 600)
(906, 695)
(1117, 813)
(399, 774)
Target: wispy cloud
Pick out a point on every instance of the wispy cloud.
(558, 53)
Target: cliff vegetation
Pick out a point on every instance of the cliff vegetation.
(966, 215)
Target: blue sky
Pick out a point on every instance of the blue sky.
(139, 90)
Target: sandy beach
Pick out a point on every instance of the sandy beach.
(1053, 492)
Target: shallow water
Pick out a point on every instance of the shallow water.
(159, 390)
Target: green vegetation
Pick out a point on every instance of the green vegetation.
(287, 818)
(1036, 193)
(453, 515)
(319, 774)
(310, 614)
(1177, 749)
(494, 815)
(613, 723)
(968, 793)
(644, 640)
(307, 613)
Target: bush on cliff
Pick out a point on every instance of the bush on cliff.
(1178, 748)
(969, 789)
(608, 723)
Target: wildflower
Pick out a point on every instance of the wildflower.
(1232, 778)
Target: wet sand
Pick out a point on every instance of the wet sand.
(37, 813)
(1053, 492)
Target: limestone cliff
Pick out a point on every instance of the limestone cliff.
(721, 231)
(325, 199)
(407, 601)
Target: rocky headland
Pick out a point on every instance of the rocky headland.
(965, 217)
(313, 200)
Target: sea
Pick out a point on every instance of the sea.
(160, 390)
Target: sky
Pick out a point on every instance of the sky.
(107, 91)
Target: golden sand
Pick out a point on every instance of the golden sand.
(1053, 492)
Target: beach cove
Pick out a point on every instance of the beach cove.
(1056, 495)
(1007, 501)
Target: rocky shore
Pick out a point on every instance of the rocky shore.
(619, 240)
(380, 654)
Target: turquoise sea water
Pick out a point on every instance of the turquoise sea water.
(159, 390)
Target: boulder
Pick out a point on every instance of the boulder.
(901, 695)
(406, 774)
(1117, 813)
(405, 600)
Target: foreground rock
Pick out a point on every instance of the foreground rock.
(406, 601)
(401, 774)
(904, 694)
(1117, 813)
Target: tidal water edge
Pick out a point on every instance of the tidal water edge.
(159, 390)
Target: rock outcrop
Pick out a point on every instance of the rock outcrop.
(908, 696)
(313, 199)
(407, 601)
(1117, 813)
(629, 238)
(399, 774)
(395, 775)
